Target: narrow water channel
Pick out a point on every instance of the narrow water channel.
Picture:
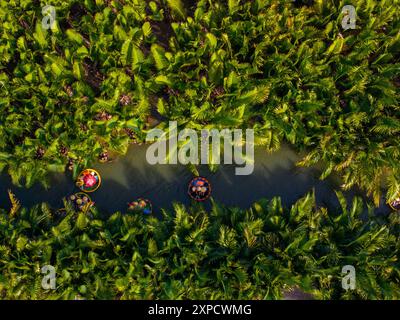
(130, 177)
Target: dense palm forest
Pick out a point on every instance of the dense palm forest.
(227, 253)
(108, 70)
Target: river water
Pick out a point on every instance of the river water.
(130, 177)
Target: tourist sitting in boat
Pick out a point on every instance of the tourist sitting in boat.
(88, 180)
(81, 201)
(199, 189)
(141, 205)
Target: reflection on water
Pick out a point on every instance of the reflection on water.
(131, 177)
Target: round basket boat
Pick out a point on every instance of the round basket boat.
(395, 205)
(199, 189)
(89, 180)
(141, 205)
(81, 201)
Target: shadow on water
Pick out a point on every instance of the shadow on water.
(131, 177)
